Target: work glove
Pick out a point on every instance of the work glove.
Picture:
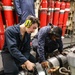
(45, 64)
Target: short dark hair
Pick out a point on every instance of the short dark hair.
(33, 19)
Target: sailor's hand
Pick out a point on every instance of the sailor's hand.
(45, 64)
(29, 65)
(51, 70)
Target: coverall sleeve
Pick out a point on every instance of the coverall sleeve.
(12, 46)
(60, 48)
(18, 7)
(27, 48)
(41, 43)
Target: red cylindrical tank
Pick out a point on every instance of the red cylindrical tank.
(9, 17)
(67, 9)
(8, 12)
(56, 13)
(16, 21)
(61, 14)
(50, 12)
(7, 2)
(1, 32)
(43, 13)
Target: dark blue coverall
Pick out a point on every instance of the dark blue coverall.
(24, 8)
(44, 44)
(12, 56)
